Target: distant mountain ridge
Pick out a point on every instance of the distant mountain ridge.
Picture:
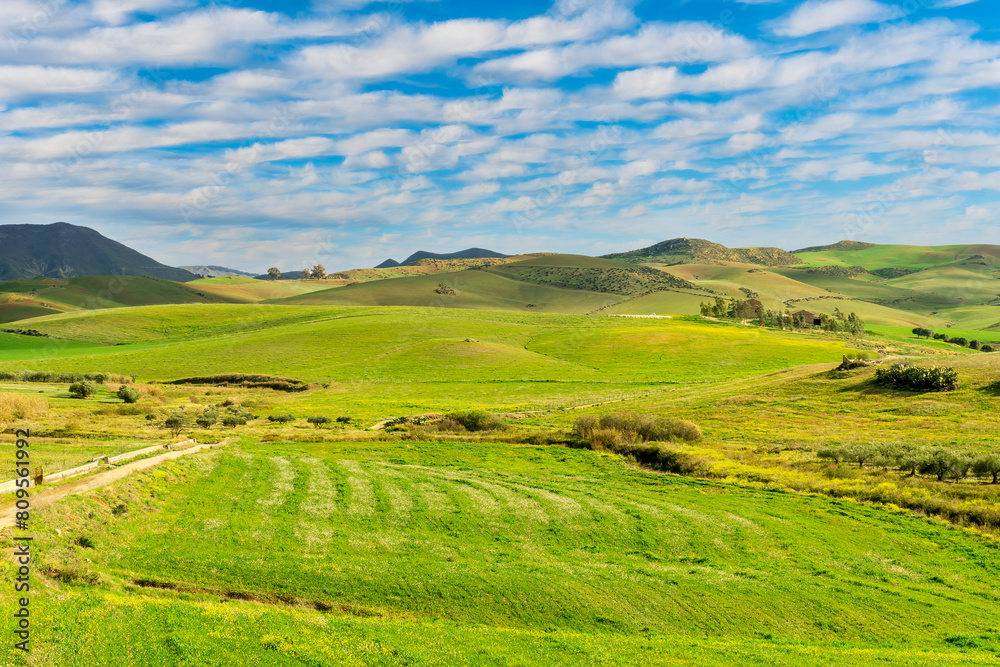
(213, 271)
(468, 253)
(62, 250)
(692, 251)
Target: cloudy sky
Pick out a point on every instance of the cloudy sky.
(250, 133)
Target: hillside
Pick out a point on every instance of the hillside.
(43, 296)
(699, 251)
(62, 250)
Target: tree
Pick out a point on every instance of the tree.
(274, 273)
(176, 422)
(921, 332)
(719, 309)
(938, 462)
(318, 420)
(975, 345)
(319, 272)
(987, 465)
(307, 274)
(959, 340)
(128, 394)
(706, 309)
(83, 389)
(855, 324)
(986, 348)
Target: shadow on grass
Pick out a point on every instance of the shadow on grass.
(993, 389)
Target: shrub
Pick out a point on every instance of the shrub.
(958, 341)
(941, 336)
(280, 419)
(917, 378)
(318, 420)
(478, 420)
(975, 345)
(343, 419)
(986, 348)
(634, 427)
(128, 394)
(19, 406)
(208, 417)
(83, 389)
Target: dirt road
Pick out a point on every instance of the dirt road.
(91, 482)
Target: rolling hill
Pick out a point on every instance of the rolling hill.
(45, 296)
(62, 250)
(699, 251)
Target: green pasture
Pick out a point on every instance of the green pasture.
(427, 553)
(888, 256)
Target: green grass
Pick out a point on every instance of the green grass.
(543, 554)
(477, 289)
(887, 256)
(426, 345)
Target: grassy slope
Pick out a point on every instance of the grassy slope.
(495, 554)
(474, 290)
(886, 256)
(424, 344)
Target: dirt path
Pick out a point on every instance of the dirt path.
(91, 482)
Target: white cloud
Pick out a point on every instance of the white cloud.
(818, 15)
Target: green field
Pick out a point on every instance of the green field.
(489, 554)
(398, 536)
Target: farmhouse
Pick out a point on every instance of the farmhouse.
(808, 318)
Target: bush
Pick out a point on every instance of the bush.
(917, 378)
(128, 394)
(318, 420)
(941, 336)
(280, 419)
(478, 420)
(633, 427)
(975, 345)
(343, 419)
(208, 417)
(986, 348)
(83, 389)
(958, 341)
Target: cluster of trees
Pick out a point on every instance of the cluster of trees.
(958, 340)
(917, 378)
(739, 309)
(318, 272)
(937, 462)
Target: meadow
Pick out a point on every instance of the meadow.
(429, 553)
(344, 544)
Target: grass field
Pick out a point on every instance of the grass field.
(343, 545)
(424, 552)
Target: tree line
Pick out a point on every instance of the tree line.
(739, 309)
(938, 462)
(961, 341)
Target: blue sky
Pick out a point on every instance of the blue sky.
(252, 133)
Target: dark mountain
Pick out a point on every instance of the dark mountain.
(700, 251)
(469, 253)
(212, 271)
(62, 250)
